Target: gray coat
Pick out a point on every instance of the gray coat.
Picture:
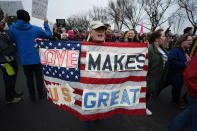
(155, 70)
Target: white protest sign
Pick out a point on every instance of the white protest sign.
(39, 9)
(10, 7)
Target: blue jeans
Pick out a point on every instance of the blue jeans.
(187, 118)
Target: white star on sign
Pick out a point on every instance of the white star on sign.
(60, 75)
(47, 72)
(58, 67)
(73, 48)
(42, 43)
(71, 73)
(78, 44)
(47, 47)
(76, 77)
(55, 71)
(68, 44)
(76, 69)
(59, 44)
(49, 69)
(50, 44)
(64, 48)
(63, 72)
(43, 68)
(67, 76)
(67, 68)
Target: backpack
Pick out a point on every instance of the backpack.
(7, 49)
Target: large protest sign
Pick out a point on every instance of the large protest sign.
(95, 80)
(39, 9)
(10, 7)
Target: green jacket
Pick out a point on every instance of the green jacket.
(155, 69)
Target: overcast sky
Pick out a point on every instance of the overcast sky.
(63, 8)
(60, 9)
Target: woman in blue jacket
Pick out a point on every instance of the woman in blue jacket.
(178, 59)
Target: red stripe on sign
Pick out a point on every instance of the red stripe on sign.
(143, 89)
(146, 56)
(102, 115)
(49, 83)
(83, 53)
(87, 80)
(78, 91)
(77, 102)
(142, 100)
(82, 67)
(118, 44)
(145, 68)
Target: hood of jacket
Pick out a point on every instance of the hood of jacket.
(22, 25)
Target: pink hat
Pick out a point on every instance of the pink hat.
(70, 34)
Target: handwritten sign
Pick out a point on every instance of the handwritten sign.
(39, 9)
(10, 7)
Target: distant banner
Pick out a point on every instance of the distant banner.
(95, 80)
(39, 9)
(10, 7)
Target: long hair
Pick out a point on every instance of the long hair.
(181, 40)
(154, 35)
(135, 39)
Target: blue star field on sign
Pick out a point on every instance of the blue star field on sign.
(63, 73)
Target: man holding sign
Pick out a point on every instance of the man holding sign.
(95, 79)
(23, 34)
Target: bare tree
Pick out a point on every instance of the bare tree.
(179, 19)
(190, 7)
(126, 12)
(115, 13)
(77, 22)
(156, 9)
(99, 14)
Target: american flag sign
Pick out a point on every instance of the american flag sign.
(95, 80)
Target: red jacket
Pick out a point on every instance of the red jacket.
(190, 77)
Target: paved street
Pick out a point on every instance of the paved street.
(44, 116)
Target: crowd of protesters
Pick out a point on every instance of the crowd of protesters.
(171, 58)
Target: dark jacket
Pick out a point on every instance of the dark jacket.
(7, 50)
(24, 35)
(79, 38)
(110, 38)
(155, 69)
(190, 77)
(178, 63)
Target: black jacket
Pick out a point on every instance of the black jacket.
(7, 50)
